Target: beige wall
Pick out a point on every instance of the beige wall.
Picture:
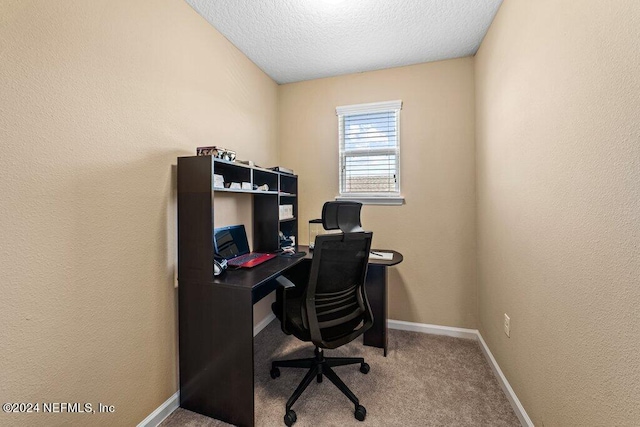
(435, 229)
(558, 156)
(98, 98)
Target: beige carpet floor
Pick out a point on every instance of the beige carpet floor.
(426, 380)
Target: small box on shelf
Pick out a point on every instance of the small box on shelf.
(218, 181)
(286, 211)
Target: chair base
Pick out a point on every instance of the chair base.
(320, 367)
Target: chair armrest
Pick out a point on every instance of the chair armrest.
(285, 285)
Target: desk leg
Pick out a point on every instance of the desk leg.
(376, 287)
(216, 352)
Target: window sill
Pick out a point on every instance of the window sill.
(374, 200)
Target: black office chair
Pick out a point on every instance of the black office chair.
(332, 309)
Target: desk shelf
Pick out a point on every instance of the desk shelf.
(238, 190)
(288, 190)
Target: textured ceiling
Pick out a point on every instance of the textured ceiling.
(294, 40)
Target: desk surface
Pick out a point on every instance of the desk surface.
(250, 278)
(397, 256)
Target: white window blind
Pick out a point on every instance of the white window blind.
(369, 137)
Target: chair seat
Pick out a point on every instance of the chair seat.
(294, 323)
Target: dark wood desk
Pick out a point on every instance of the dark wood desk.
(216, 333)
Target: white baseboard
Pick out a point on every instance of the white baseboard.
(263, 323)
(433, 329)
(506, 387)
(470, 334)
(162, 411)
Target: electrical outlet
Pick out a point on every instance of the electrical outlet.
(507, 325)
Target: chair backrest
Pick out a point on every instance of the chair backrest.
(336, 309)
(342, 215)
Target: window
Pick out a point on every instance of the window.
(369, 137)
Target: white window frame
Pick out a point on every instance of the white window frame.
(385, 198)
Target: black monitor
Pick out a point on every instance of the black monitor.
(230, 242)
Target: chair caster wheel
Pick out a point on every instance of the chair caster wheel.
(364, 368)
(290, 418)
(360, 413)
(275, 373)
